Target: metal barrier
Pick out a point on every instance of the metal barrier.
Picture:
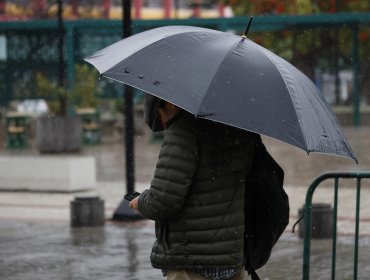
(358, 176)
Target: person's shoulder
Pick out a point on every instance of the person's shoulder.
(183, 131)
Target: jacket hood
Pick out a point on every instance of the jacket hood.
(151, 116)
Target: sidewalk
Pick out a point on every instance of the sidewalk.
(54, 207)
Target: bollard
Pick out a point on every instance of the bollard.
(322, 221)
(87, 212)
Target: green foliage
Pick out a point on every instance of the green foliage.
(279, 42)
(258, 7)
(85, 86)
(83, 94)
(304, 7)
(51, 92)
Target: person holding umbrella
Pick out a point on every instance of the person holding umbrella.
(197, 194)
(230, 91)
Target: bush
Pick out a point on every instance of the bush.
(83, 94)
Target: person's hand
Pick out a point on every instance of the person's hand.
(134, 203)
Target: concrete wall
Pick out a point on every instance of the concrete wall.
(51, 173)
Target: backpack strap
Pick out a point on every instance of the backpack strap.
(249, 238)
(248, 247)
(254, 275)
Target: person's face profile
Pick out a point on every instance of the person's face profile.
(163, 114)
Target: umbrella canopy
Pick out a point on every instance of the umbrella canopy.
(228, 79)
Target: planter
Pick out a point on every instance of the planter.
(58, 134)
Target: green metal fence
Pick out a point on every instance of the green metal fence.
(335, 176)
(32, 46)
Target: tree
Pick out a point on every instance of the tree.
(83, 94)
(2, 7)
(258, 7)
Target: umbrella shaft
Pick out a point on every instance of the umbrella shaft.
(126, 18)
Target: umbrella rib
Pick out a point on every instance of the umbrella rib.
(152, 43)
(199, 114)
(215, 75)
(232, 48)
(286, 77)
(102, 69)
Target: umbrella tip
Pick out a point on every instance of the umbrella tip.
(247, 29)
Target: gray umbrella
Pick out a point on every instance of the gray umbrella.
(228, 79)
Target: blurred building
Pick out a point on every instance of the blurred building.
(111, 9)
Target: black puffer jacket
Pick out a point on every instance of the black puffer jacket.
(197, 195)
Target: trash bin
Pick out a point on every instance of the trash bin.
(17, 130)
(91, 128)
(322, 221)
(87, 212)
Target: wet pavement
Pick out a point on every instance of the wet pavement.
(52, 250)
(36, 241)
(45, 251)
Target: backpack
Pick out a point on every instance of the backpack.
(267, 209)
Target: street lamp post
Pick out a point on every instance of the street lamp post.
(124, 212)
(62, 100)
(129, 120)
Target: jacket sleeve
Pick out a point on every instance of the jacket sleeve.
(174, 173)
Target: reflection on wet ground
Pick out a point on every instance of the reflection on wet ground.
(121, 251)
(286, 259)
(112, 252)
